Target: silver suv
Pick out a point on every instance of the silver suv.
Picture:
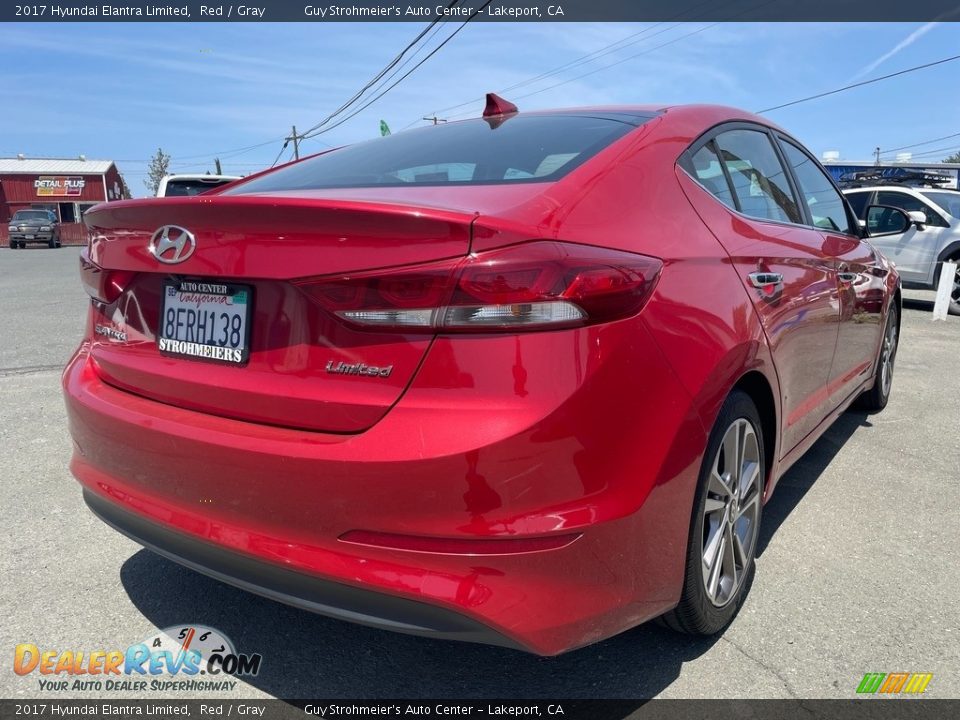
(934, 236)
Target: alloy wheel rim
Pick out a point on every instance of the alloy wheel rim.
(889, 356)
(731, 512)
(955, 295)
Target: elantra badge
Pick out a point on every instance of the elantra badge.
(172, 244)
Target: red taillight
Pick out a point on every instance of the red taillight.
(537, 285)
(102, 285)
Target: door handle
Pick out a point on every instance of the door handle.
(847, 277)
(765, 279)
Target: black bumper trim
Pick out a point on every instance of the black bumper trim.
(325, 597)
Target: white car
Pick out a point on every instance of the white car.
(932, 239)
(182, 184)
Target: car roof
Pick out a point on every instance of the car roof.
(688, 121)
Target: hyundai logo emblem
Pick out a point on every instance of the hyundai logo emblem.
(172, 244)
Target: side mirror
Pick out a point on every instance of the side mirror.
(918, 218)
(887, 220)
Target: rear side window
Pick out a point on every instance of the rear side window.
(858, 201)
(522, 149)
(824, 201)
(706, 167)
(909, 203)
(948, 201)
(759, 180)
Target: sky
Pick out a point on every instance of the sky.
(119, 91)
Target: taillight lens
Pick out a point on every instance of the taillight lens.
(537, 285)
(102, 285)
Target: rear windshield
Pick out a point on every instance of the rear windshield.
(183, 188)
(522, 149)
(32, 215)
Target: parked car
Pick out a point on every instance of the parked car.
(526, 379)
(182, 184)
(932, 238)
(33, 226)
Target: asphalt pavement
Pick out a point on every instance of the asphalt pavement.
(857, 571)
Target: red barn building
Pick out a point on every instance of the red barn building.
(67, 187)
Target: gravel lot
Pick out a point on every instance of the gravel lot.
(858, 568)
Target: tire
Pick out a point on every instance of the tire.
(713, 594)
(52, 243)
(875, 399)
(954, 308)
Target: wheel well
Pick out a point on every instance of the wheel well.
(758, 388)
(952, 253)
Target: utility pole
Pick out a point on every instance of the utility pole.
(216, 162)
(877, 154)
(296, 142)
(435, 119)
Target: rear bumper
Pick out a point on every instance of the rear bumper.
(293, 588)
(267, 508)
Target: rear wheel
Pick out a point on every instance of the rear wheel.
(876, 398)
(726, 522)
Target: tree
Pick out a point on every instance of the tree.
(955, 158)
(159, 166)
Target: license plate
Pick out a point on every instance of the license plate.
(28, 237)
(206, 320)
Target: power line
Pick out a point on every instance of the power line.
(585, 59)
(277, 158)
(859, 84)
(620, 62)
(226, 153)
(238, 151)
(373, 81)
(925, 142)
(937, 151)
(607, 67)
(601, 52)
(404, 76)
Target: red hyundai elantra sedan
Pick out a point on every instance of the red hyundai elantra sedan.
(525, 380)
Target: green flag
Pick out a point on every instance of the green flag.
(384, 128)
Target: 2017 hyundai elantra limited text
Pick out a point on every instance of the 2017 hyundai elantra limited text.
(526, 379)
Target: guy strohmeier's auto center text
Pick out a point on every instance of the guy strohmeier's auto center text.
(387, 12)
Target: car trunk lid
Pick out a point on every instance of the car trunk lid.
(294, 371)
